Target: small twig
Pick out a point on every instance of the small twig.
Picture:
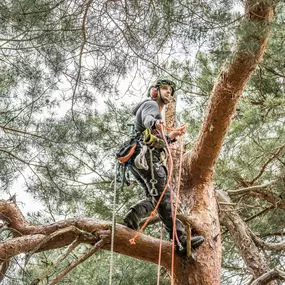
(274, 155)
(248, 189)
(54, 234)
(14, 231)
(227, 204)
(71, 247)
(95, 248)
(11, 130)
(259, 213)
(3, 268)
(80, 54)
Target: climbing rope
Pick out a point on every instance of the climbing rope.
(113, 228)
(153, 213)
(176, 205)
(174, 233)
(140, 160)
(153, 181)
(159, 254)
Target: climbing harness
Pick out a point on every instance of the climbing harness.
(153, 213)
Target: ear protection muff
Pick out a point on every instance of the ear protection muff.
(154, 92)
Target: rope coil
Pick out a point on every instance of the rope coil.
(140, 160)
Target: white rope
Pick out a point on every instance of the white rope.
(159, 255)
(113, 227)
(140, 160)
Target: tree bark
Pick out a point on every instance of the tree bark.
(198, 165)
(241, 234)
(38, 238)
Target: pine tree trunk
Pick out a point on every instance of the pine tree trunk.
(198, 193)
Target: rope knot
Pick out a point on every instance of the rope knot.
(132, 241)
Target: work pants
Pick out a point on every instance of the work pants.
(146, 206)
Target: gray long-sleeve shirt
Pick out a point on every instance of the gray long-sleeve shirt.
(147, 113)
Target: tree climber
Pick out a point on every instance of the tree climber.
(152, 175)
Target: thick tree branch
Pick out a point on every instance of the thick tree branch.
(241, 235)
(228, 89)
(278, 246)
(63, 233)
(269, 276)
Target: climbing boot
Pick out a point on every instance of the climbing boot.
(181, 249)
(131, 219)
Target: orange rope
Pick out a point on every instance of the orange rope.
(174, 234)
(176, 206)
(153, 214)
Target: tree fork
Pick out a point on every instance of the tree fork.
(198, 166)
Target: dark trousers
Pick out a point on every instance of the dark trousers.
(145, 206)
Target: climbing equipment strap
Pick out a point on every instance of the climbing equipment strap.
(126, 153)
(153, 140)
(153, 181)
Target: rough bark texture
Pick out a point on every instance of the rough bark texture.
(242, 236)
(170, 113)
(198, 166)
(45, 237)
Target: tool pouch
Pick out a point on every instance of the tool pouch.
(126, 151)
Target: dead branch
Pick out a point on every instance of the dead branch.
(3, 268)
(95, 248)
(278, 246)
(240, 233)
(269, 276)
(251, 188)
(57, 262)
(274, 155)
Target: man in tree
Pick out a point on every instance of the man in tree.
(152, 175)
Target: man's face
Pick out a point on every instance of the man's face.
(165, 93)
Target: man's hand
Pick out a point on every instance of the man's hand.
(159, 125)
(177, 132)
(180, 131)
